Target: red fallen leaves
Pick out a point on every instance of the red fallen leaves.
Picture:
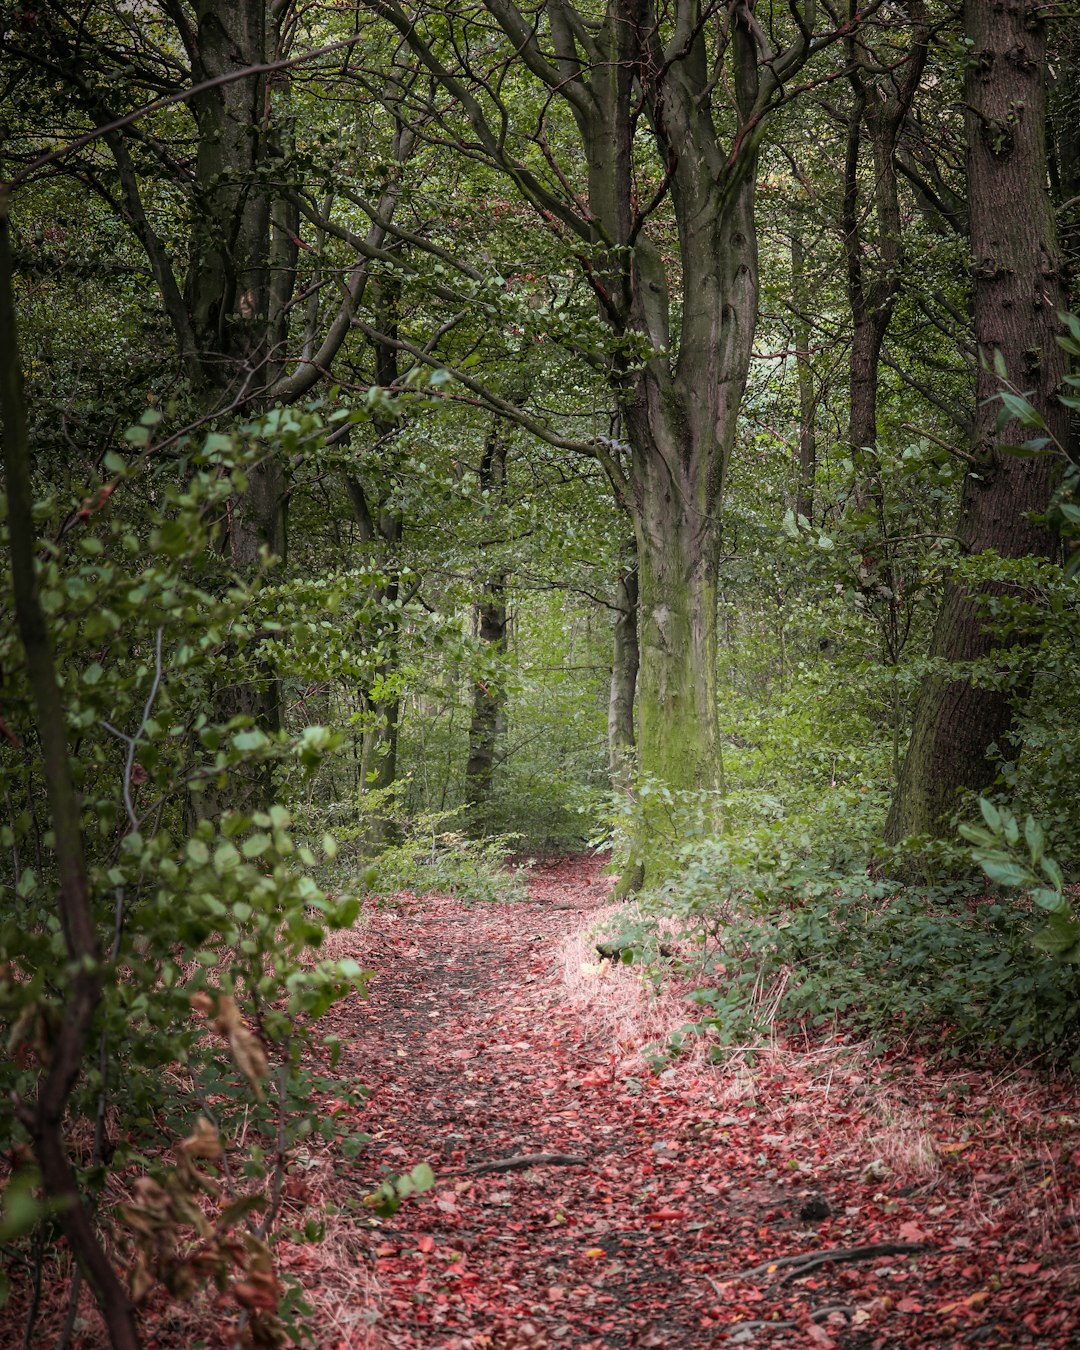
(692, 1180)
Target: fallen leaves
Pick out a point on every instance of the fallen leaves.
(678, 1222)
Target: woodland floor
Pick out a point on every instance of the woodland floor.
(490, 1033)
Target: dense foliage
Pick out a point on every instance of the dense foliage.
(438, 438)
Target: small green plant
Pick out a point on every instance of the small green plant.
(394, 1189)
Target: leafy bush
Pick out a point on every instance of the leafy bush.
(434, 860)
(780, 937)
(208, 918)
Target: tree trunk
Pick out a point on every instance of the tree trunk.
(382, 528)
(873, 282)
(806, 463)
(624, 673)
(380, 703)
(229, 298)
(44, 1118)
(678, 729)
(488, 722)
(959, 725)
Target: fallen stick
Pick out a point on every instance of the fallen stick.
(807, 1261)
(518, 1162)
(816, 1315)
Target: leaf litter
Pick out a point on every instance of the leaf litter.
(812, 1195)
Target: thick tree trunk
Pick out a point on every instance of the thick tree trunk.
(1017, 293)
(681, 424)
(624, 673)
(678, 729)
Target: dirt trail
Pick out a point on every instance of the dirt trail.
(477, 1048)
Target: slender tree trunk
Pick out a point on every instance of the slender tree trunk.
(958, 724)
(624, 673)
(44, 1118)
(806, 464)
(487, 724)
(879, 107)
(383, 528)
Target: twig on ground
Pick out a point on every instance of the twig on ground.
(518, 1162)
(804, 1262)
(816, 1315)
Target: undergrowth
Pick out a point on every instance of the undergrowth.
(764, 938)
(430, 860)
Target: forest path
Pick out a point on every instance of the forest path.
(478, 1045)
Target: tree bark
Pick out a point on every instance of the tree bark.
(806, 461)
(382, 529)
(487, 724)
(959, 724)
(624, 673)
(879, 106)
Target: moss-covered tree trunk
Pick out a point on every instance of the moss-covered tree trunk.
(1018, 290)
(487, 725)
(679, 411)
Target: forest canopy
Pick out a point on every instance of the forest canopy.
(439, 436)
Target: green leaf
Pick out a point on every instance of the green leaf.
(422, 1177)
(255, 845)
(1036, 839)
(251, 740)
(1052, 872)
(1028, 450)
(990, 814)
(197, 852)
(1018, 407)
(1007, 873)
